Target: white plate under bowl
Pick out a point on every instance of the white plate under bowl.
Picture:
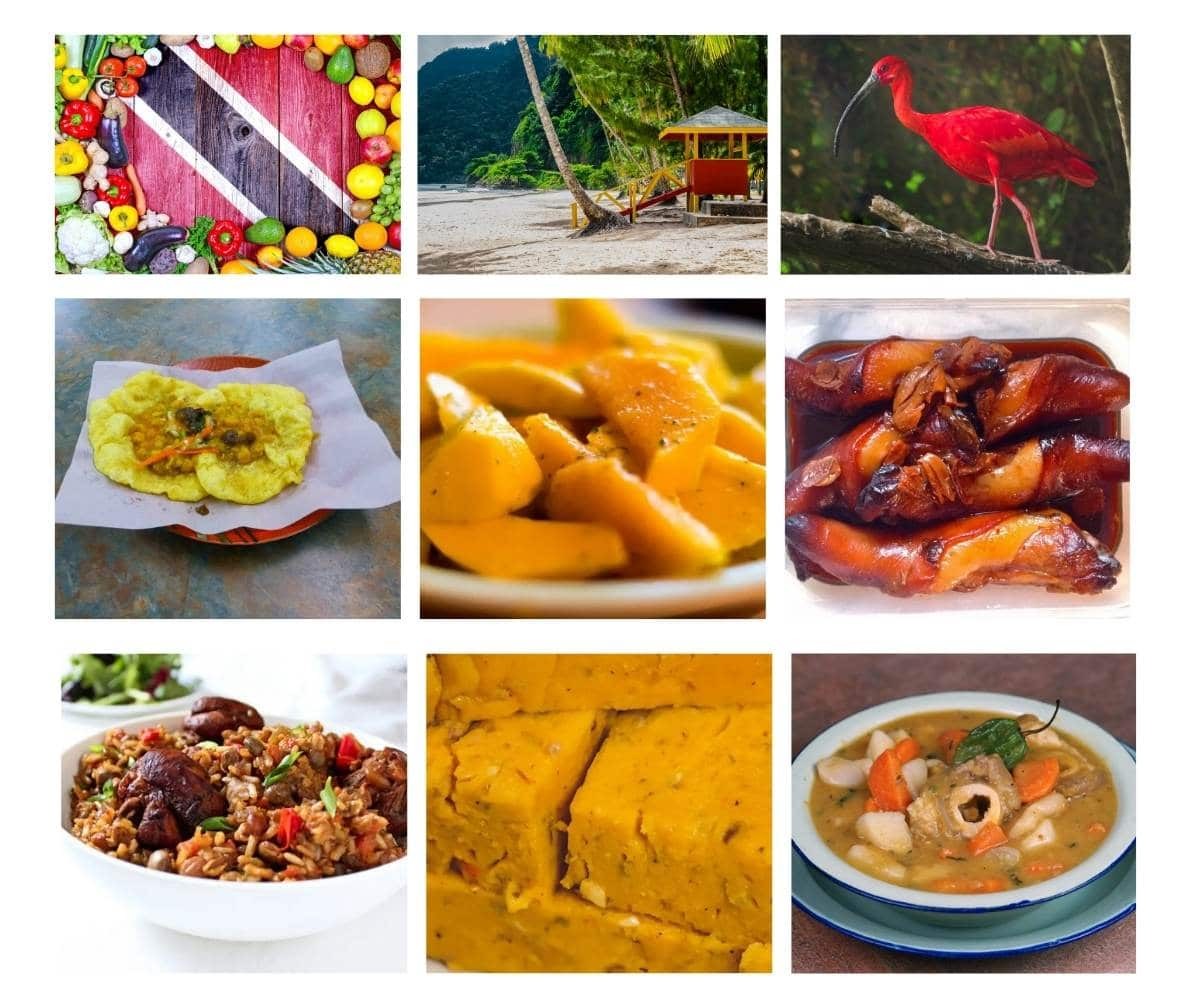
(454, 592)
(227, 911)
(1103, 324)
(90, 710)
(968, 909)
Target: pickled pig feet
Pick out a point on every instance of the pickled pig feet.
(869, 377)
(1042, 548)
(1050, 389)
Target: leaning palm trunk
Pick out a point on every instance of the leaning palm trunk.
(598, 218)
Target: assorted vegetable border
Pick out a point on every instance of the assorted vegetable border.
(103, 221)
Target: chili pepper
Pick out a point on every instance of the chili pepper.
(288, 828)
(127, 86)
(79, 120)
(116, 190)
(348, 752)
(73, 85)
(111, 66)
(70, 158)
(1002, 737)
(225, 238)
(135, 66)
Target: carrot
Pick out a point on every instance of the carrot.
(139, 196)
(95, 99)
(908, 749)
(1043, 868)
(992, 884)
(989, 836)
(1097, 830)
(871, 806)
(949, 741)
(887, 784)
(1035, 778)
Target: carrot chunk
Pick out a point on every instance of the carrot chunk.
(989, 836)
(908, 749)
(948, 742)
(1035, 778)
(887, 784)
(871, 806)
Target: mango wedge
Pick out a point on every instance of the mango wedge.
(525, 387)
(705, 354)
(662, 538)
(452, 401)
(591, 323)
(551, 443)
(518, 548)
(740, 432)
(730, 499)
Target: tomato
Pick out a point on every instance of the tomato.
(112, 66)
(127, 86)
(135, 66)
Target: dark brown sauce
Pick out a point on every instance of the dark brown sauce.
(1097, 511)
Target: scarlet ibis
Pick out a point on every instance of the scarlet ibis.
(986, 145)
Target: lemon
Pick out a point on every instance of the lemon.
(341, 246)
(328, 44)
(362, 91)
(396, 104)
(269, 257)
(365, 181)
(267, 41)
(300, 242)
(371, 236)
(237, 266)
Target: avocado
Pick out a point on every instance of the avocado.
(340, 68)
(266, 232)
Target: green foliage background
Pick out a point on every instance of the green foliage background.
(1059, 81)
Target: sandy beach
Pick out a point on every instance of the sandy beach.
(480, 231)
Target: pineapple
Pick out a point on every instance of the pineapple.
(368, 262)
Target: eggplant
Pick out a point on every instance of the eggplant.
(112, 141)
(150, 243)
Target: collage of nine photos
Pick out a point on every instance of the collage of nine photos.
(594, 459)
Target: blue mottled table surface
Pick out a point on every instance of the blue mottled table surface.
(347, 567)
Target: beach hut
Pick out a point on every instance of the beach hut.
(721, 175)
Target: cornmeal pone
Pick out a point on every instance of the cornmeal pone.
(674, 821)
(470, 928)
(493, 686)
(498, 793)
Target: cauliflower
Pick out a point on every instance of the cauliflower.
(82, 241)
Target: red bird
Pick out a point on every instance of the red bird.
(986, 145)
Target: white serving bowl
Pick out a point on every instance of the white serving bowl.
(227, 911)
(886, 901)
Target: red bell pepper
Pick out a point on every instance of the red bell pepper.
(225, 239)
(80, 120)
(151, 735)
(116, 191)
(348, 752)
(288, 828)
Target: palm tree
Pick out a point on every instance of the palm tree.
(598, 218)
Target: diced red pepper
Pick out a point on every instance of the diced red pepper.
(291, 871)
(288, 827)
(80, 120)
(364, 844)
(225, 239)
(116, 190)
(348, 752)
(151, 735)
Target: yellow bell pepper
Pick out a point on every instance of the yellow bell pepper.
(123, 218)
(69, 158)
(60, 55)
(74, 85)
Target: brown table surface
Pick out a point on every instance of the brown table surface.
(828, 688)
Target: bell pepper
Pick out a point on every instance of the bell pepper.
(74, 85)
(225, 239)
(70, 158)
(288, 827)
(123, 218)
(116, 190)
(80, 120)
(348, 752)
(60, 55)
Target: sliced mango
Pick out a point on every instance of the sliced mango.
(662, 538)
(480, 470)
(663, 406)
(607, 441)
(704, 353)
(520, 548)
(551, 443)
(740, 432)
(448, 352)
(730, 499)
(525, 387)
(591, 323)
(750, 393)
(452, 401)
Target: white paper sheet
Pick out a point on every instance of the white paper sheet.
(351, 465)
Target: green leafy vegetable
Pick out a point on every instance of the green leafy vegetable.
(107, 792)
(217, 824)
(281, 769)
(124, 678)
(98, 748)
(329, 797)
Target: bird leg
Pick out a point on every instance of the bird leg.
(1029, 227)
(997, 202)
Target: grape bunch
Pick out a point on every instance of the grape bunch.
(387, 205)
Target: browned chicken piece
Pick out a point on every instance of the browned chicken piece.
(211, 717)
(385, 773)
(1081, 783)
(165, 786)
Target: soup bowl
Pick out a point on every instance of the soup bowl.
(1035, 905)
(229, 911)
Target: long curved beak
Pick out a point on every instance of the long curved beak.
(863, 91)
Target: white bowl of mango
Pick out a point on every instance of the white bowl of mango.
(589, 466)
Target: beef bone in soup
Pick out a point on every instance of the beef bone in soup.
(963, 801)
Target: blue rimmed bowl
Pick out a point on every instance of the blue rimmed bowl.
(1037, 905)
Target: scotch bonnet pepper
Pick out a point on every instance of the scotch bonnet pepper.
(79, 120)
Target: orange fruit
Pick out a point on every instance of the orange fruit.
(269, 257)
(393, 136)
(237, 266)
(300, 242)
(371, 236)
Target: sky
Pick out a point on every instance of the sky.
(431, 46)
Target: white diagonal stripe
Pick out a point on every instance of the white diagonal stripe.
(259, 122)
(147, 116)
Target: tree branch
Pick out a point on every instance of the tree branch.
(912, 247)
